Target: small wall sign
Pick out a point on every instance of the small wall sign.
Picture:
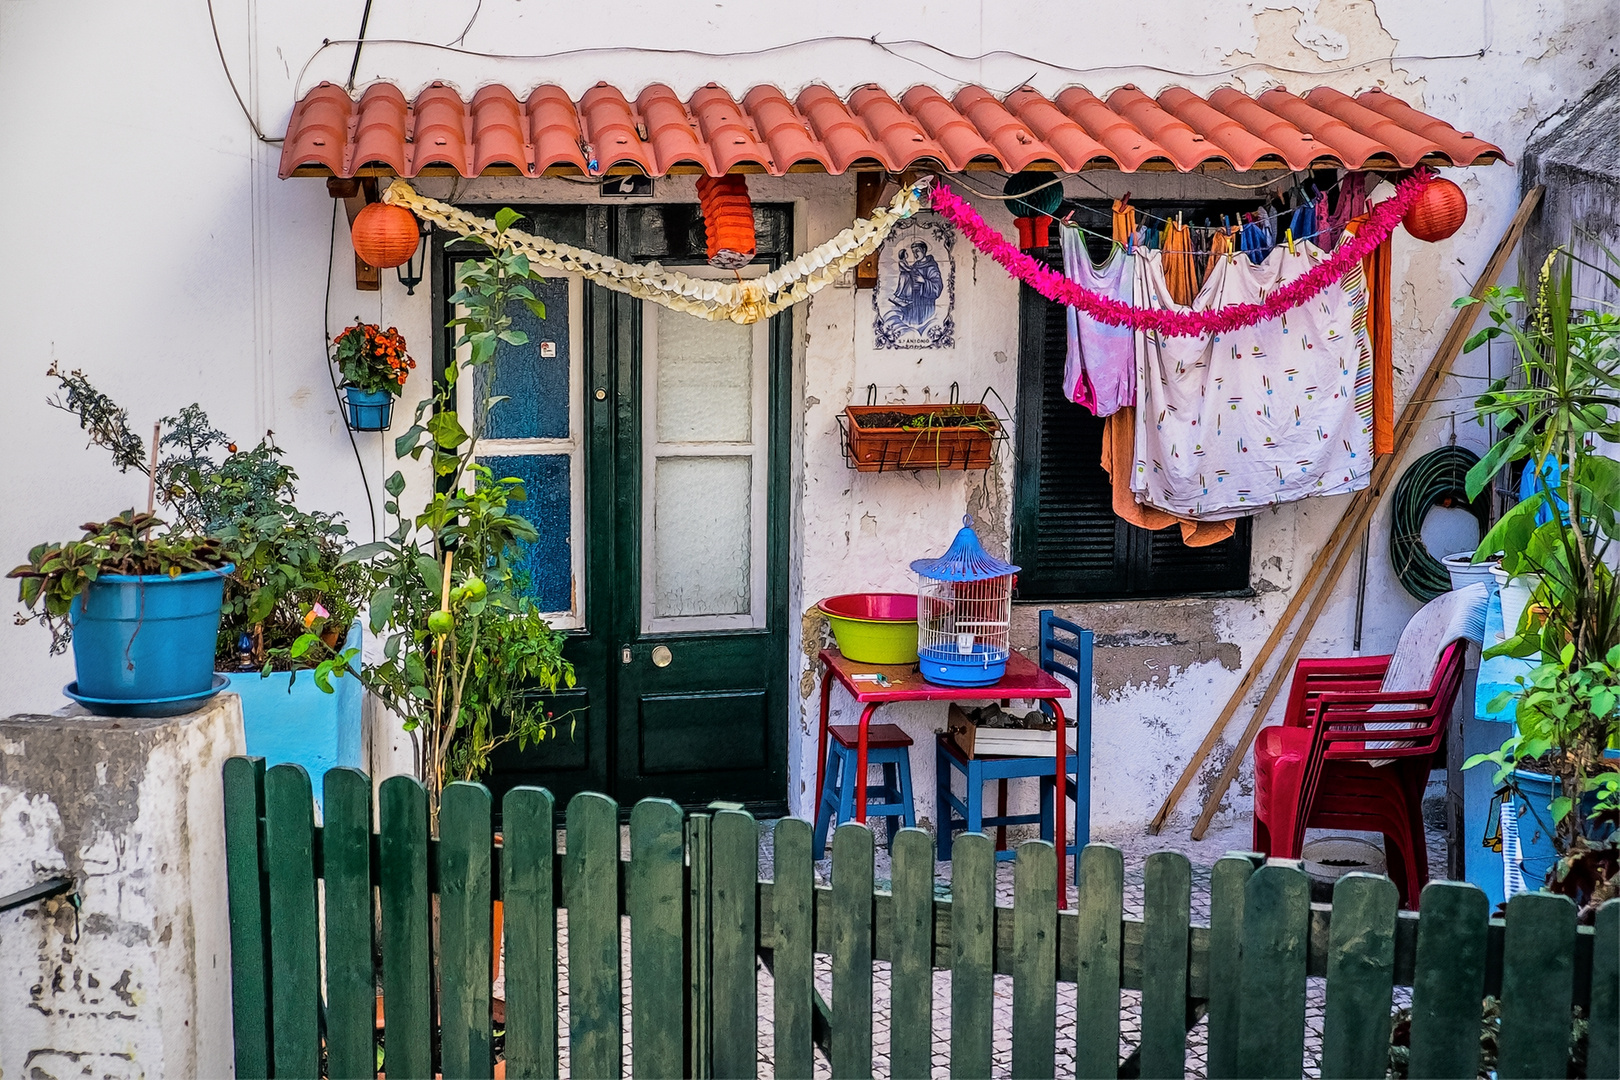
(628, 186)
(548, 350)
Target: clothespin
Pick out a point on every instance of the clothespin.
(1068, 219)
(1290, 236)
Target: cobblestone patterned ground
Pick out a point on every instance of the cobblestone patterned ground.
(1136, 848)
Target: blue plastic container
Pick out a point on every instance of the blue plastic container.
(369, 410)
(293, 720)
(1536, 826)
(949, 667)
(147, 637)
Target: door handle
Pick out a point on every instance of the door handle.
(624, 656)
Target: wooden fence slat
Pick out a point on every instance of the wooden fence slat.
(973, 954)
(528, 848)
(1538, 973)
(466, 924)
(1271, 1019)
(591, 888)
(699, 983)
(911, 959)
(1603, 1032)
(402, 857)
(734, 843)
(250, 917)
(1098, 911)
(1227, 883)
(656, 897)
(793, 947)
(1448, 981)
(1360, 978)
(295, 993)
(852, 951)
(351, 979)
(1034, 1010)
(1167, 918)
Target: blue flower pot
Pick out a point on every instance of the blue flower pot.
(289, 719)
(1536, 825)
(369, 410)
(147, 638)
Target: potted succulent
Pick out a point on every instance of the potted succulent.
(374, 365)
(285, 629)
(140, 605)
(1560, 542)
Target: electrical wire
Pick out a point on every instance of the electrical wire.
(219, 46)
(331, 372)
(461, 38)
(359, 43)
(1438, 478)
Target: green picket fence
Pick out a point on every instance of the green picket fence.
(701, 921)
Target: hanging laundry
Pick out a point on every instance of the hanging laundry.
(1258, 237)
(1124, 221)
(1351, 204)
(1119, 440)
(1381, 337)
(1180, 273)
(1302, 223)
(1099, 370)
(1265, 414)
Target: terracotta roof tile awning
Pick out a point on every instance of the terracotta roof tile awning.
(331, 134)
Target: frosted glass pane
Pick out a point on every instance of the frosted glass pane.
(705, 380)
(701, 536)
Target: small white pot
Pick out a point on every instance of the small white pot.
(1465, 571)
(1516, 594)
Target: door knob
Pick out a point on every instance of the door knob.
(661, 656)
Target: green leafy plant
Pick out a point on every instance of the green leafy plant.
(56, 574)
(463, 649)
(1561, 402)
(289, 597)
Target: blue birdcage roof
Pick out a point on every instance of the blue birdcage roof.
(966, 560)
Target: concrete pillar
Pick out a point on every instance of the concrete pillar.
(136, 982)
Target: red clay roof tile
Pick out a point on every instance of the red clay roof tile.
(331, 133)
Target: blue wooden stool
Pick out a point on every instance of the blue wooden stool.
(1066, 651)
(886, 745)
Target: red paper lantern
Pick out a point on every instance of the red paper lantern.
(384, 235)
(1438, 213)
(728, 219)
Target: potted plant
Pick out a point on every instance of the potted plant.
(287, 628)
(374, 365)
(140, 605)
(880, 438)
(1559, 541)
(467, 660)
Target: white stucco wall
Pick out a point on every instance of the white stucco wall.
(149, 242)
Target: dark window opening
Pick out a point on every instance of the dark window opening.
(1065, 534)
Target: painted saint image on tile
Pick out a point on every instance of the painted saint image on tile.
(915, 297)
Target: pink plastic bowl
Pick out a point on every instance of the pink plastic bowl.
(873, 607)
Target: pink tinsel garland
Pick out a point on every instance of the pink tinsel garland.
(1054, 286)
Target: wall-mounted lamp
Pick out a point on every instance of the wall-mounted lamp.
(410, 272)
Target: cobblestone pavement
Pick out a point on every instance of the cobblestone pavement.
(1136, 846)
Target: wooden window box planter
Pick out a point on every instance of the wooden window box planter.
(883, 438)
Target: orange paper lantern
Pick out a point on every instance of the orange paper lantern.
(728, 219)
(384, 235)
(1438, 213)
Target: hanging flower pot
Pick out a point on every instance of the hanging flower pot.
(374, 365)
(384, 235)
(1438, 213)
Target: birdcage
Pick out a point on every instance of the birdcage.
(964, 613)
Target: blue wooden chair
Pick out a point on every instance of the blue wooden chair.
(1066, 653)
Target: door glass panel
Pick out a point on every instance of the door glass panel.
(705, 381)
(702, 536)
(534, 376)
(545, 565)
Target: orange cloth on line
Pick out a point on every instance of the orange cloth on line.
(1180, 270)
(1119, 446)
(1124, 223)
(1220, 243)
(1381, 337)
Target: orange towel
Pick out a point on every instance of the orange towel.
(1180, 271)
(1119, 445)
(1124, 223)
(1381, 337)
(1220, 243)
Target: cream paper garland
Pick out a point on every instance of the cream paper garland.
(740, 301)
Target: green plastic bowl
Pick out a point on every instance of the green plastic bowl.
(874, 628)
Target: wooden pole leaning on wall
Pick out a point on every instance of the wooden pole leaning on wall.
(1330, 562)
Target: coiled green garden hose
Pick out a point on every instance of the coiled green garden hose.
(1438, 478)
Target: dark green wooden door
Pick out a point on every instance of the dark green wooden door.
(663, 492)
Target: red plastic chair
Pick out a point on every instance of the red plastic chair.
(1315, 769)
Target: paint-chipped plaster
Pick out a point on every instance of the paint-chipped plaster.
(135, 981)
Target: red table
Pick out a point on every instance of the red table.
(1024, 679)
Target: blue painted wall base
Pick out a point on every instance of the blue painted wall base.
(306, 727)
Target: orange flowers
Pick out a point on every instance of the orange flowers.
(372, 358)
